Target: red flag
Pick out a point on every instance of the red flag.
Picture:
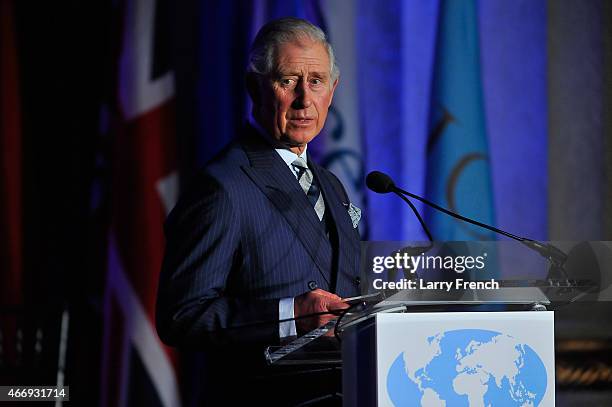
(136, 366)
(10, 178)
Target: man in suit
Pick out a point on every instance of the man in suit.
(265, 235)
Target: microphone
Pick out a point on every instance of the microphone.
(381, 183)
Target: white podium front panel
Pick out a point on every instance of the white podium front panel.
(465, 359)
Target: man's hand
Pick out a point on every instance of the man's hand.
(313, 302)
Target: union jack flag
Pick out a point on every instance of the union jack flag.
(137, 369)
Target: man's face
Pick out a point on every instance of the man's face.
(295, 98)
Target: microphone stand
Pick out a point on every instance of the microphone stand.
(555, 256)
(417, 249)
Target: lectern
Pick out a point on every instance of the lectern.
(463, 348)
(438, 348)
(450, 359)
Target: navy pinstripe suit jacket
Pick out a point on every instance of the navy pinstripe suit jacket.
(244, 237)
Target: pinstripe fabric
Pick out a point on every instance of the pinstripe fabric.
(243, 237)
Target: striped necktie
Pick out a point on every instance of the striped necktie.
(310, 186)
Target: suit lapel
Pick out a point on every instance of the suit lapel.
(274, 178)
(348, 246)
(333, 203)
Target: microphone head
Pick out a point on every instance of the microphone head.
(380, 182)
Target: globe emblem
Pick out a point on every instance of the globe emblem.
(468, 367)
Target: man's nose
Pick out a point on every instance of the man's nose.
(303, 95)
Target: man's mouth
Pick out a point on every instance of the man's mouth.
(301, 121)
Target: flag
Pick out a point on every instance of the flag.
(458, 170)
(137, 369)
(11, 233)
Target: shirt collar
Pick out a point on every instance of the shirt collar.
(289, 156)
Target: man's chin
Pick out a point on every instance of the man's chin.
(298, 138)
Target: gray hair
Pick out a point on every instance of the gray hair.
(282, 31)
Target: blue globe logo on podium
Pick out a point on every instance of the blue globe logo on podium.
(469, 367)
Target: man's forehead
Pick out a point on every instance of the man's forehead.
(299, 55)
(301, 67)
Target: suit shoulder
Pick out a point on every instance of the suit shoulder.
(225, 164)
(214, 182)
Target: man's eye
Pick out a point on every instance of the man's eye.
(287, 82)
(316, 81)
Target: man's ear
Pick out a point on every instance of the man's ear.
(253, 88)
(333, 90)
